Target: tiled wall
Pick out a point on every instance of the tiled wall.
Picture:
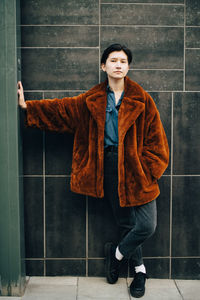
(61, 46)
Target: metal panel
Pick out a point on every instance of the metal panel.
(12, 268)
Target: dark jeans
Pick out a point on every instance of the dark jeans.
(136, 223)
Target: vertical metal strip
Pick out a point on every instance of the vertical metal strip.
(99, 41)
(86, 238)
(184, 45)
(171, 190)
(44, 200)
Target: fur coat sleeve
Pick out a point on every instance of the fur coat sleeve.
(55, 115)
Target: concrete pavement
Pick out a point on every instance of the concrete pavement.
(95, 288)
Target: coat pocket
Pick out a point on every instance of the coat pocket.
(147, 171)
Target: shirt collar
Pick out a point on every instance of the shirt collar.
(108, 89)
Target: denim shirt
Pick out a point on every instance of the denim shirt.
(111, 125)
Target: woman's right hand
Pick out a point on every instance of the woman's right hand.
(20, 92)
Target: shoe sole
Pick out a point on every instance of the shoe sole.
(107, 248)
(137, 294)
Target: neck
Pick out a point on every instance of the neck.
(116, 84)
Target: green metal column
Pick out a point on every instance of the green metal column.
(12, 264)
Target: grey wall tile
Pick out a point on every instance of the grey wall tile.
(34, 268)
(58, 153)
(134, 14)
(32, 151)
(76, 267)
(60, 36)
(192, 69)
(192, 12)
(32, 95)
(158, 80)
(163, 101)
(33, 217)
(158, 244)
(96, 267)
(164, 104)
(152, 47)
(32, 144)
(193, 37)
(60, 12)
(60, 68)
(185, 268)
(65, 220)
(185, 218)
(186, 154)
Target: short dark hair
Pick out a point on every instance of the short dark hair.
(116, 47)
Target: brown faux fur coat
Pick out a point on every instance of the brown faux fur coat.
(143, 152)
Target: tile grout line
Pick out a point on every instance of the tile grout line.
(86, 237)
(96, 48)
(140, 3)
(53, 175)
(108, 25)
(44, 200)
(68, 176)
(185, 175)
(184, 45)
(51, 47)
(131, 69)
(193, 26)
(99, 40)
(187, 48)
(155, 69)
(102, 258)
(82, 91)
(58, 25)
(171, 190)
(142, 26)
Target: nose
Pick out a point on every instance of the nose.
(118, 64)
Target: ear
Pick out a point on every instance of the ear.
(103, 67)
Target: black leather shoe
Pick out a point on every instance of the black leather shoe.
(111, 264)
(137, 287)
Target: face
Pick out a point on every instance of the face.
(116, 65)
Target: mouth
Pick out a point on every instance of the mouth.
(117, 71)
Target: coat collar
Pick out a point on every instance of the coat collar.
(133, 104)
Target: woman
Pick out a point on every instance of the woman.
(120, 151)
